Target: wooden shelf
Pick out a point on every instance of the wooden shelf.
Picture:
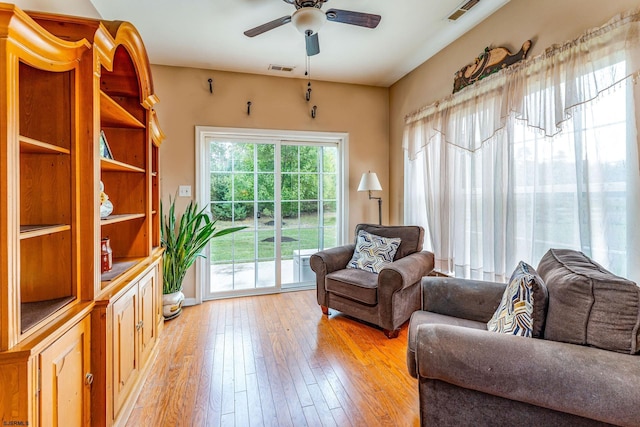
(34, 312)
(31, 231)
(113, 114)
(30, 145)
(113, 219)
(116, 166)
(119, 267)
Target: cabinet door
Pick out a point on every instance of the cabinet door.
(65, 393)
(125, 351)
(147, 329)
(159, 319)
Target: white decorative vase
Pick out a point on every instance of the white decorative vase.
(172, 305)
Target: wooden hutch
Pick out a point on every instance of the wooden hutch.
(75, 344)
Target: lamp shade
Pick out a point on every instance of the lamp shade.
(369, 182)
(308, 19)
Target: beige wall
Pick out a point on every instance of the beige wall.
(277, 103)
(545, 22)
(373, 117)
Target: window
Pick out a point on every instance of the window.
(542, 155)
(286, 189)
(570, 191)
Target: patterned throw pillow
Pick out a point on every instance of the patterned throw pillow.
(373, 252)
(522, 309)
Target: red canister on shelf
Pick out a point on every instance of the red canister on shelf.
(107, 255)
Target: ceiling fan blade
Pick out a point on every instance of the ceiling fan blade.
(354, 18)
(268, 26)
(313, 44)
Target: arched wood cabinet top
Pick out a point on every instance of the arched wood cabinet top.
(118, 47)
(122, 52)
(36, 46)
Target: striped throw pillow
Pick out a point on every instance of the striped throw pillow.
(523, 307)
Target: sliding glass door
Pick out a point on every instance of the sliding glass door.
(308, 201)
(287, 194)
(242, 193)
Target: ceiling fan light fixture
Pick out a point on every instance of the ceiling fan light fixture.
(308, 19)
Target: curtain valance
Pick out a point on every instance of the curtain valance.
(542, 90)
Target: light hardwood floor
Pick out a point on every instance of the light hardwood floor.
(275, 361)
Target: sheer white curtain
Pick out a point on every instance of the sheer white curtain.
(543, 154)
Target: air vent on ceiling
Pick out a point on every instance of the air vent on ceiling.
(283, 68)
(462, 9)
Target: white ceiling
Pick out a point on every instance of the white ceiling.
(209, 34)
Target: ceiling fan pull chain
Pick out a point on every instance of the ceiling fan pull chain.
(307, 73)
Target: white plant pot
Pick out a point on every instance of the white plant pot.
(172, 304)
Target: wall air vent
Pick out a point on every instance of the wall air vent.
(462, 9)
(283, 68)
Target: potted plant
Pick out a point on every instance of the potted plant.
(183, 243)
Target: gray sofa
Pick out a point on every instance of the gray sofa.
(468, 376)
(386, 299)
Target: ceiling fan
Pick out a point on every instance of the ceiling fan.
(308, 18)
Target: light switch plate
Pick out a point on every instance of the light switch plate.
(184, 191)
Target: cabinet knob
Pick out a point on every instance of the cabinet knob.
(139, 325)
(88, 378)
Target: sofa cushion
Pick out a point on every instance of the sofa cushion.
(373, 252)
(355, 284)
(589, 305)
(524, 301)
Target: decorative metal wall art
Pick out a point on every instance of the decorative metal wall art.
(489, 62)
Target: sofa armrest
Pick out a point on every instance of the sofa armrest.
(404, 272)
(468, 299)
(583, 381)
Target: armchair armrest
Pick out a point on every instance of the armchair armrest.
(328, 261)
(399, 289)
(467, 299)
(404, 272)
(583, 381)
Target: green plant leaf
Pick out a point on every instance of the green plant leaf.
(184, 241)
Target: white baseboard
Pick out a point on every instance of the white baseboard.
(250, 292)
(190, 301)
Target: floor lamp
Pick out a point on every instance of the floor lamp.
(369, 182)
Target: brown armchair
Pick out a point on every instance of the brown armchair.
(386, 299)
